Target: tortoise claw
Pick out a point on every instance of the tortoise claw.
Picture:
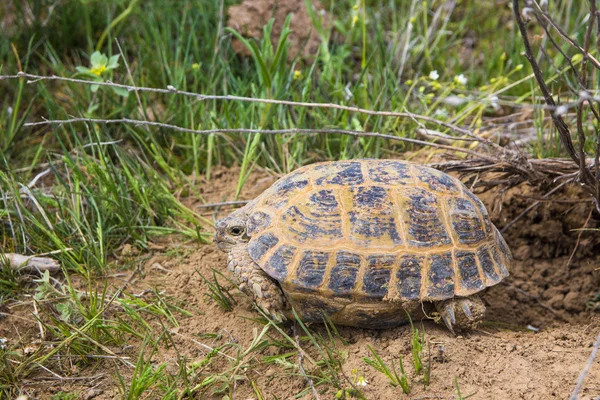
(467, 310)
(461, 313)
(448, 316)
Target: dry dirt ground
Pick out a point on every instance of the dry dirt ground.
(506, 359)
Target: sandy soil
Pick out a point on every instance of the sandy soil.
(506, 359)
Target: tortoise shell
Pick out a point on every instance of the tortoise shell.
(373, 230)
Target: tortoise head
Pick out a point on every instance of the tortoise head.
(231, 230)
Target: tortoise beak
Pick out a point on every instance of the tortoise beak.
(222, 243)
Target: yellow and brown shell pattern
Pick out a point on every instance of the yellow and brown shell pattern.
(373, 230)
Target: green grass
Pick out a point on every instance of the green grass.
(101, 187)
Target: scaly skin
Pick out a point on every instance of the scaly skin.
(461, 313)
(254, 282)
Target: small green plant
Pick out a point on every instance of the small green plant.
(395, 379)
(417, 343)
(100, 64)
(217, 292)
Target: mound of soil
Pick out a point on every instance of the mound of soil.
(250, 17)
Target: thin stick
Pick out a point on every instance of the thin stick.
(585, 370)
(579, 237)
(261, 131)
(223, 203)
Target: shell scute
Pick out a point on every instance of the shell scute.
(435, 180)
(345, 173)
(261, 245)
(470, 280)
(279, 195)
(441, 277)
(344, 272)
(487, 265)
(311, 269)
(487, 224)
(305, 223)
(258, 221)
(391, 172)
(277, 266)
(377, 275)
(373, 217)
(409, 276)
(425, 227)
(499, 261)
(466, 221)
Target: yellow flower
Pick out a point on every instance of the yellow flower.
(297, 74)
(98, 70)
(195, 66)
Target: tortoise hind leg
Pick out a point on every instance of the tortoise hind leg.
(461, 313)
(254, 282)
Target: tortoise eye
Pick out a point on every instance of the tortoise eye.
(236, 231)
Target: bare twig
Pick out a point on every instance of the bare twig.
(586, 369)
(579, 238)
(296, 131)
(223, 203)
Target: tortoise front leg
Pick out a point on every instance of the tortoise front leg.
(254, 282)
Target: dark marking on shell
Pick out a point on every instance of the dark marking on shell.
(435, 180)
(282, 191)
(487, 264)
(343, 274)
(257, 248)
(503, 246)
(373, 216)
(498, 260)
(316, 226)
(257, 222)
(425, 228)
(311, 269)
(469, 273)
(482, 210)
(441, 277)
(391, 172)
(341, 173)
(409, 276)
(466, 221)
(377, 275)
(277, 265)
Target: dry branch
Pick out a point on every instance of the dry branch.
(587, 172)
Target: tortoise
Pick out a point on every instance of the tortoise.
(366, 243)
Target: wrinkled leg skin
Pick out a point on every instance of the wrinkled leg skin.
(461, 313)
(254, 282)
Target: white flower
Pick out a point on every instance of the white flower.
(3, 342)
(433, 75)
(361, 381)
(460, 79)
